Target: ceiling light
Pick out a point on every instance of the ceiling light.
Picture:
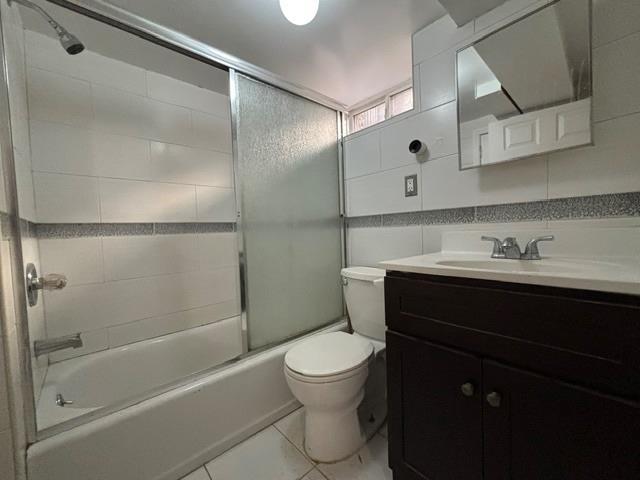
(299, 12)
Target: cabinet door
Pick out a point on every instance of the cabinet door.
(539, 428)
(435, 429)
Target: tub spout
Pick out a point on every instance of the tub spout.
(42, 347)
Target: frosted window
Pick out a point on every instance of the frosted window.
(401, 102)
(367, 118)
(289, 187)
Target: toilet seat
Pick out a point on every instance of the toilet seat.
(328, 357)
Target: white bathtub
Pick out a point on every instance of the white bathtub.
(165, 437)
(113, 376)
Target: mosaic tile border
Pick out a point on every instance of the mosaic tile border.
(575, 208)
(78, 230)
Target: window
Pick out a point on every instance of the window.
(392, 104)
(401, 102)
(368, 117)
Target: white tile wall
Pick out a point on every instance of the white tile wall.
(95, 306)
(610, 166)
(444, 186)
(134, 257)
(59, 98)
(438, 80)
(368, 246)
(364, 155)
(138, 201)
(66, 198)
(170, 90)
(216, 204)
(59, 148)
(44, 52)
(437, 128)
(115, 143)
(210, 131)
(80, 259)
(382, 193)
(148, 137)
(179, 164)
(126, 289)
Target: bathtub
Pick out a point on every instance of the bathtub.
(113, 376)
(169, 435)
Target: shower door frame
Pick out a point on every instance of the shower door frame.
(165, 37)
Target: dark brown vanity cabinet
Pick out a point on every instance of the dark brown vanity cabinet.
(475, 394)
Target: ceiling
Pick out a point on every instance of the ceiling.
(353, 50)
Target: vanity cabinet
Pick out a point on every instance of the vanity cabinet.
(494, 381)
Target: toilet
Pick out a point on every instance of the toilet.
(327, 373)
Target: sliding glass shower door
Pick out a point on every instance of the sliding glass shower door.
(287, 174)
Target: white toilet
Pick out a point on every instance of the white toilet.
(327, 372)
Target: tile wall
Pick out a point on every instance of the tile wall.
(131, 170)
(377, 159)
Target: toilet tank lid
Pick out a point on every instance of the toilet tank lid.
(328, 354)
(363, 273)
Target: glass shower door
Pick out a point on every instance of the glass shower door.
(288, 190)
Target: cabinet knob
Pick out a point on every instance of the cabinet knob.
(494, 399)
(467, 389)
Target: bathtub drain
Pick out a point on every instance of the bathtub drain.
(61, 402)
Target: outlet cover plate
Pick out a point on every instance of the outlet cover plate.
(411, 185)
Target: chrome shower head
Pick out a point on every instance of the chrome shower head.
(69, 41)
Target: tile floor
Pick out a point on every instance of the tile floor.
(276, 453)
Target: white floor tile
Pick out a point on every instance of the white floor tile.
(314, 475)
(200, 474)
(267, 455)
(292, 427)
(370, 463)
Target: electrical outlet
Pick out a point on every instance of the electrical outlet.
(411, 185)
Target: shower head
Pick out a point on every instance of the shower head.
(69, 41)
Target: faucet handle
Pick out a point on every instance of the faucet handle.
(532, 252)
(52, 281)
(498, 250)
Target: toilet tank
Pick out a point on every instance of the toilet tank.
(364, 294)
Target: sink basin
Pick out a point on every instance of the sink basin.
(524, 266)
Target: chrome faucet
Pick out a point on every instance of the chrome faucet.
(509, 248)
(42, 347)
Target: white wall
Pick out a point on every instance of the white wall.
(114, 143)
(377, 159)
(128, 288)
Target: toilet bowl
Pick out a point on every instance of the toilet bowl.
(327, 373)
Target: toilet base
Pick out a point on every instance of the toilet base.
(332, 436)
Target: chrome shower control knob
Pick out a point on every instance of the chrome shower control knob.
(494, 399)
(53, 281)
(467, 389)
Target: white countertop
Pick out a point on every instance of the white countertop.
(613, 275)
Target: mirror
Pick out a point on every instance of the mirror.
(526, 89)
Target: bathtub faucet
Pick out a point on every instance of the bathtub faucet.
(42, 347)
